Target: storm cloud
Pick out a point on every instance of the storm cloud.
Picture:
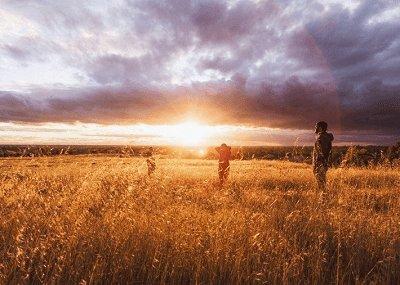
(258, 63)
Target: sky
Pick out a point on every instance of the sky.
(254, 72)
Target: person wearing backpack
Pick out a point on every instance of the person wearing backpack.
(321, 154)
(224, 152)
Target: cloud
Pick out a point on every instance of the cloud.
(355, 49)
(260, 63)
(29, 48)
(118, 69)
(292, 105)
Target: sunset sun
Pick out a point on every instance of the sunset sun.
(188, 133)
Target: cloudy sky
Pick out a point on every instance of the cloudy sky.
(252, 72)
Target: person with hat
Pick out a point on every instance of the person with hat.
(321, 154)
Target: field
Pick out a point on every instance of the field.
(87, 219)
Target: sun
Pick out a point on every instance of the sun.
(188, 133)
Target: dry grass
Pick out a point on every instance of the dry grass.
(102, 220)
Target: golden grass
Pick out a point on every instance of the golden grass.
(102, 220)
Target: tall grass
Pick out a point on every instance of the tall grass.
(73, 220)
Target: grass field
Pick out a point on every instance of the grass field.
(97, 220)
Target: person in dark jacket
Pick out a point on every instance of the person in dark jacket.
(321, 153)
(224, 152)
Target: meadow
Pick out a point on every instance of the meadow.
(98, 219)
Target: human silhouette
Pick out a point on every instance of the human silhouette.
(321, 154)
(224, 152)
(151, 162)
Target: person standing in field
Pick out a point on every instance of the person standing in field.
(321, 154)
(224, 152)
(151, 162)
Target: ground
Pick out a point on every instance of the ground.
(90, 219)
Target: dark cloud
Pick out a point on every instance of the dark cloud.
(292, 105)
(118, 69)
(356, 50)
(26, 49)
(215, 23)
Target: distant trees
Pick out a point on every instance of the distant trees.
(341, 155)
(364, 156)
